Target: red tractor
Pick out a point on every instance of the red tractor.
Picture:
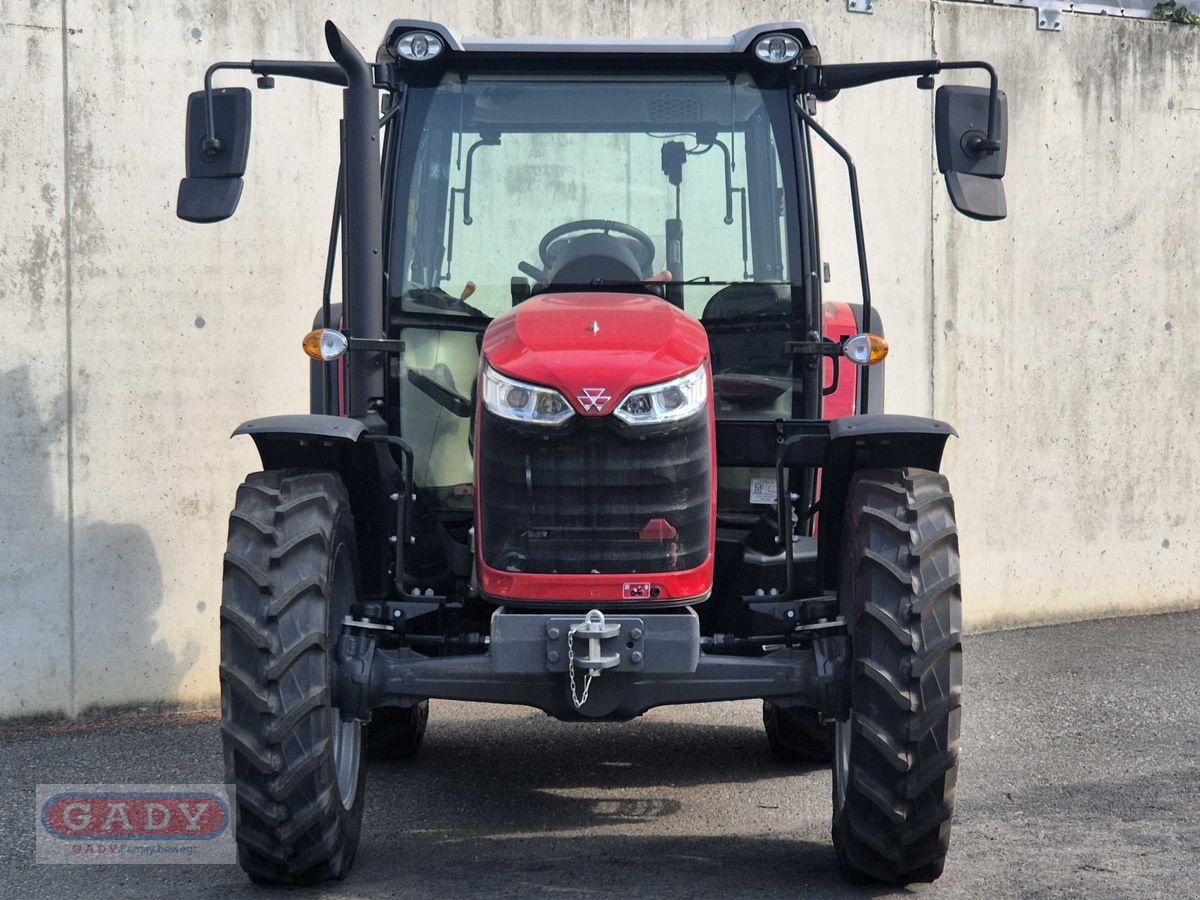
(584, 435)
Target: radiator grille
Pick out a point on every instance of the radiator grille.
(594, 496)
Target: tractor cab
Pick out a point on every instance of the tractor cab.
(585, 436)
(562, 177)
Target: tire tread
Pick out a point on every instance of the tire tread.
(902, 601)
(276, 717)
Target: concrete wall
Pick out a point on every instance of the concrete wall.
(1064, 339)
(1060, 341)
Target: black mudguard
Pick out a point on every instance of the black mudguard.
(367, 467)
(869, 442)
(292, 429)
(300, 441)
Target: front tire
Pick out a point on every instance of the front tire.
(291, 574)
(796, 734)
(896, 757)
(396, 733)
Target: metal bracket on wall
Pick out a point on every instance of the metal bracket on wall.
(1049, 18)
(860, 6)
(1049, 15)
(1050, 12)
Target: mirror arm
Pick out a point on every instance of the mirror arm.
(830, 79)
(211, 146)
(819, 79)
(989, 144)
(326, 72)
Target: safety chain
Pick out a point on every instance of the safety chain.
(588, 676)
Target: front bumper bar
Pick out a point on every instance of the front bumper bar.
(658, 661)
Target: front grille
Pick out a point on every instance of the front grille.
(594, 496)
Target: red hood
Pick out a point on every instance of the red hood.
(595, 341)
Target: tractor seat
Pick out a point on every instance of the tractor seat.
(759, 353)
(747, 299)
(581, 260)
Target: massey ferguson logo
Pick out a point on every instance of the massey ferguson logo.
(593, 399)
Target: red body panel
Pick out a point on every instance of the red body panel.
(617, 342)
(694, 584)
(591, 341)
(839, 323)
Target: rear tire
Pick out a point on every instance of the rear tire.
(291, 573)
(896, 757)
(396, 732)
(796, 734)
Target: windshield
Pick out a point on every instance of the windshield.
(506, 187)
(509, 186)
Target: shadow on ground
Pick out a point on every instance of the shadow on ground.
(517, 805)
(520, 805)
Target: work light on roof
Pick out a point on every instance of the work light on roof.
(777, 48)
(419, 46)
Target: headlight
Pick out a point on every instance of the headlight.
(521, 402)
(670, 401)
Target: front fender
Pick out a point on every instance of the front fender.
(869, 442)
(301, 440)
(356, 451)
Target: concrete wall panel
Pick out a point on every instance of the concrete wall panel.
(35, 572)
(1065, 348)
(181, 331)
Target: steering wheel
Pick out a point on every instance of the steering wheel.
(644, 252)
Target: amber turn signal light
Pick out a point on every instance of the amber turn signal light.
(865, 349)
(325, 344)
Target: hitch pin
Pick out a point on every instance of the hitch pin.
(594, 650)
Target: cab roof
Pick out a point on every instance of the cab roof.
(655, 46)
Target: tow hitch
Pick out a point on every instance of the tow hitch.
(593, 629)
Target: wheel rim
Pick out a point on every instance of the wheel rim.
(347, 733)
(841, 762)
(347, 751)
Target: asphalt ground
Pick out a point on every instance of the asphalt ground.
(1079, 777)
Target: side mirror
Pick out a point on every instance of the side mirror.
(973, 173)
(216, 162)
